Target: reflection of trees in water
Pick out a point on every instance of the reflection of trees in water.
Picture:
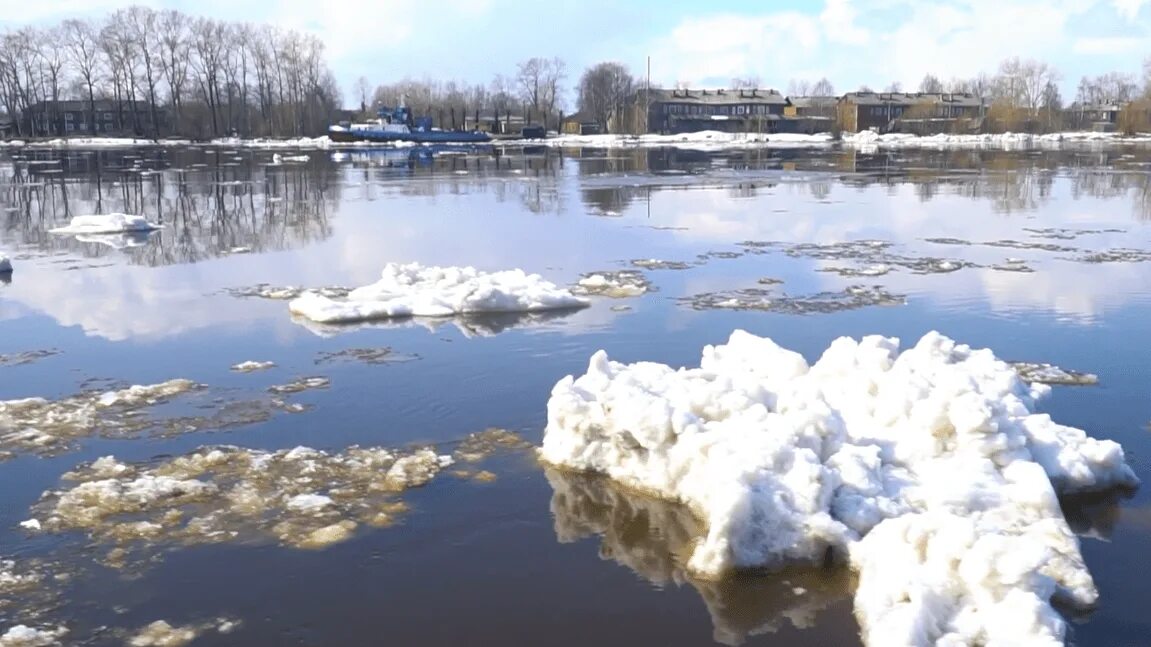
(531, 177)
(207, 210)
(654, 538)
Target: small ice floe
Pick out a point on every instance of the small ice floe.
(50, 427)
(416, 290)
(301, 384)
(769, 300)
(1117, 255)
(1013, 265)
(286, 293)
(163, 634)
(5, 264)
(301, 497)
(289, 159)
(111, 223)
(25, 636)
(925, 469)
(1038, 373)
(27, 357)
(656, 264)
(382, 355)
(878, 269)
(621, 284)
(252, 366)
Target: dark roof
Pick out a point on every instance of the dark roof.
(913, 98)
(717, 97)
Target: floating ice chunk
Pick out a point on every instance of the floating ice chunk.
(301, 497)
(150, 394)
(251, 366)
(1039, 373)
(417, 290)
(5, 264)
(163, 634)
(926, 468)
(111, 223)
(308, 502)
(625, 283)
(280, 159)
(25, 636)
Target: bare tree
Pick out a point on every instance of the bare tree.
(539, 82)
(1112, 87)
(82, 46)
(208, 46)
(798, 88)
(142, 25)
(604, 90)
(50, 52)
(175, 51)
(1020, 83)
(823, 88)
(930, 84)
(894, 86)
(361, 92)
(745, 83)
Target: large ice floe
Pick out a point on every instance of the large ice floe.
(926, 469)
(406, 290)
(111, 223)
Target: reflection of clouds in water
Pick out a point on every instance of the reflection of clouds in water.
(655, 538)
(1078, 291)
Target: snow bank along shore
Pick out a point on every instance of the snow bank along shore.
(112, 223)
(703, 139)
(406, 290)
(926, 470)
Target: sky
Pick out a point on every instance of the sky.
(705, 44)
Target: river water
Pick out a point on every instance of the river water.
(1041, 256)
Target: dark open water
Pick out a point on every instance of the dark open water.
(535, 558)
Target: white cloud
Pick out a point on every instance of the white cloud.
(838, 21)
(1109, 45)
(1128, 9)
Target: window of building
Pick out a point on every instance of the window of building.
(68, 126)
(67, 116)
(107, 116)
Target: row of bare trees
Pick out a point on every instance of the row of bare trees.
(534, 92)
(167, 73)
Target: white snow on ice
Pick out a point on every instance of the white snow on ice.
(25, 636)
(429, 291)
(111, 223)
(926, 468)
(251, 366)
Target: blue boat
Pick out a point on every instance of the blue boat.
(397, 125)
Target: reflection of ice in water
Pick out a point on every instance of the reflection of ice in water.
(479, 325)
(117, 241)
(655, 538)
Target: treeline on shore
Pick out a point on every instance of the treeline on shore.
(165, 73)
